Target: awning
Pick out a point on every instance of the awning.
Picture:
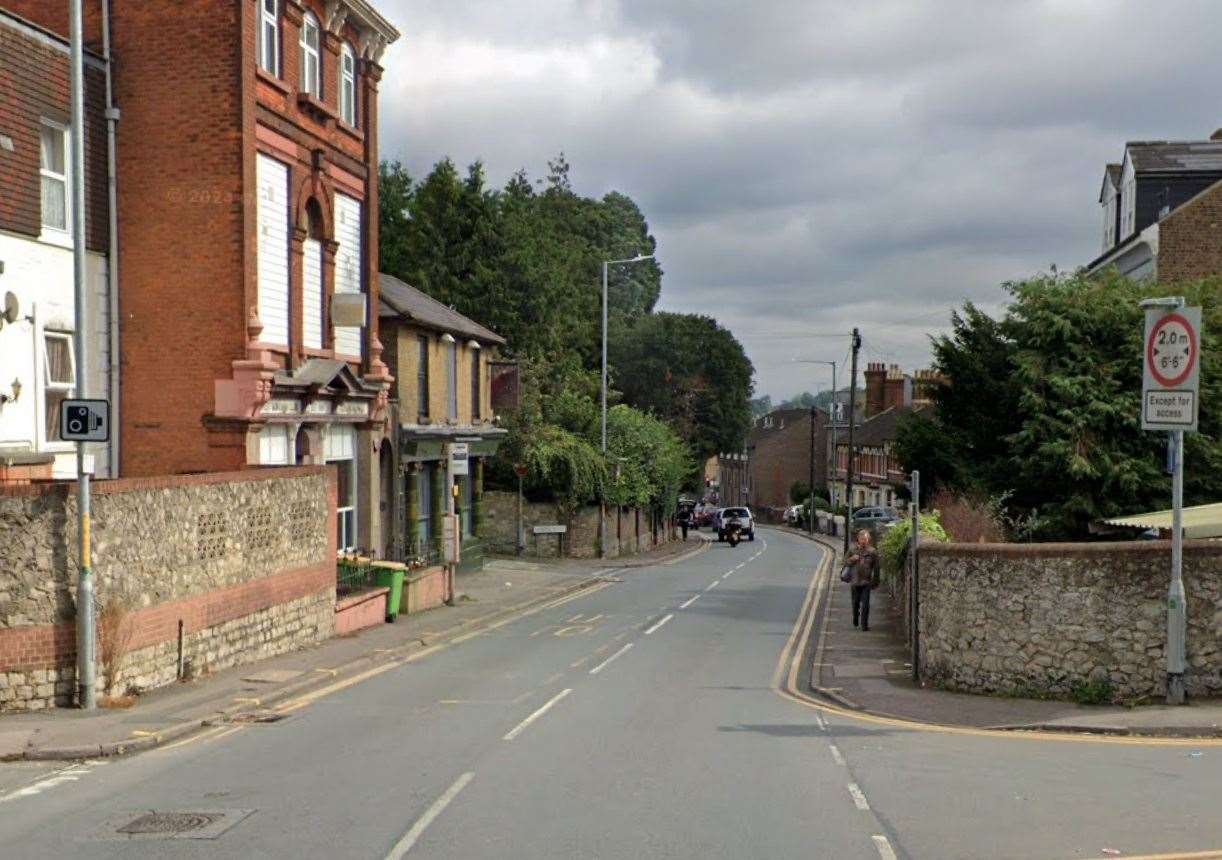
(1199, 521)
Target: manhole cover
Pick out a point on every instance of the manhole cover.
(165, 823)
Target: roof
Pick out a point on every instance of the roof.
(880, 429)
(400, 299)
(1171, 156)
(1111, 177)
(1200, 521)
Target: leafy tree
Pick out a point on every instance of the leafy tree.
(689, 371)
(760, 406)
(799, 492)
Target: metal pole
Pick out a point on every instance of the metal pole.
(848, 472)
(519, 541)
(914, 580)
(85, 635)
(1177, 612)
(604, 393)
(831, 465)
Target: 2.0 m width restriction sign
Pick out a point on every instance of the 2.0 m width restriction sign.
(1172, 369)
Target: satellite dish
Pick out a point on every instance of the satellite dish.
(11, 308)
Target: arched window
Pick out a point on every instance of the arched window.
(347, 85)
(311, 75)
(269, 36)
(313, 295)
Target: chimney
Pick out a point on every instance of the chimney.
(898, 389)
(876, 383)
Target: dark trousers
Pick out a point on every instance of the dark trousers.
(683, 526)
(861, 605)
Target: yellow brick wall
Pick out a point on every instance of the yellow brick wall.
(405, 377)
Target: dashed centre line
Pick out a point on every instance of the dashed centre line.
(836, 754)
(859, 798)
(883, 845)
(608, 661)
(689, 602)
(659, 624)
(712, 585)
(547, 706)
(409, 838)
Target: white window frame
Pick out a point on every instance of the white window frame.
(345, 515)
(46, 440)
(51, 233)
(347, 85)
(311, 84)
(269, 19)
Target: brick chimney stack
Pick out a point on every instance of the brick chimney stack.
(898, 393)
(876, 385)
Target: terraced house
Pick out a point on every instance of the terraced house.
(247, 232)
(442, 363)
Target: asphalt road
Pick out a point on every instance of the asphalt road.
(638, 720)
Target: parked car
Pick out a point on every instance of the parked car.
(875, 520)
(742, 516)
(793, 515)
(703, 517)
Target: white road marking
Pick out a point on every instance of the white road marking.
(819, 720)
(741, 566)
(859, 799)
(713, 584)
(659, 624)
(884, 847)
(604, 663)
(836, 755)
(689, 602)
(72, 773)
(521, 727)
(409, 838)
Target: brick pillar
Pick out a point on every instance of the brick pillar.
(370, 73)
(297, 238)
(329, 249)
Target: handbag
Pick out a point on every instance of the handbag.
(846, 573)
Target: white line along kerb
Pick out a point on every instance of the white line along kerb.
(604, 663)
(409, 838)
(521, 727)
(659, 624)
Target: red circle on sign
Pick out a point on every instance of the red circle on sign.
(1172, 381)
(519, 470)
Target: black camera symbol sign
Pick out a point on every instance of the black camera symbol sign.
(85, 421)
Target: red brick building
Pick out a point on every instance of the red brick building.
(247, 183)
(779, 449)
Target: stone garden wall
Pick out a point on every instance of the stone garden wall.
(1055, 618)
(235, 567)
(628, 531)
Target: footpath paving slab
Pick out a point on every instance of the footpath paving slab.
(872, 671)
(503, 588)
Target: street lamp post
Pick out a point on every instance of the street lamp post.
(832, 458)
(602, 515)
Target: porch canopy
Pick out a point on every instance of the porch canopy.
(1199, 521)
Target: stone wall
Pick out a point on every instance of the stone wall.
(628, 530)
(241, 565)
(1050, 619)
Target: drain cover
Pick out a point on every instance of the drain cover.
(157, 824)
(169, 823)
(257, 717)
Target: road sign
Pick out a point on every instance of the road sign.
(459, 452)
(1172, 365)
(85, 421)
(550, 530)
(519, 470)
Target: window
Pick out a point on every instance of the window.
(347, 85)
(452, 379)
(475, 386)
(60, 379)
(311, 78)
(424, 509)
(53, 164)
(274, 445)
(269, 37)
(422, 378)
(339, 447)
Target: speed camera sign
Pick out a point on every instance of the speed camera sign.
(1172, 369)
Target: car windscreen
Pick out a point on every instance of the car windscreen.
(736, 512)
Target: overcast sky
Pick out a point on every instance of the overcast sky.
(810, 166)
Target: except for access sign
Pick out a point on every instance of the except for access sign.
(1172, 369)
(84, 421)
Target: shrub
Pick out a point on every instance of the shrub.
(893, 548)
(115, 632)
(968, 518)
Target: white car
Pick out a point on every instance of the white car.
(742, 516)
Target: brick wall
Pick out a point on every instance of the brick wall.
(1049, 618)
(1190, 239)
(33, 87)
(223, 555)
(782, 456)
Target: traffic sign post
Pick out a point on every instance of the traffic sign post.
(1170, 398)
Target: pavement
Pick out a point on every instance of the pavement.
(651, 714)
(871, 671)
(503, 589)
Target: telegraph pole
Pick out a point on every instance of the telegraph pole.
(811, 523)
(848, 472)
(86, 636)
(914, 583)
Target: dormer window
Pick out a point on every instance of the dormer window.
(347, 85)
(311, 73)
(269, 36)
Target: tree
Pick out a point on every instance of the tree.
(1041, 408)
(689, 371)
(760, 406)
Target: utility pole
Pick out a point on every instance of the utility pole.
(811, 495)
(914, 579)
(86, 636)
(848, 472)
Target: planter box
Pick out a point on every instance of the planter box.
(360, 610)
(424, 589)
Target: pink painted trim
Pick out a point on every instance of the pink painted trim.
(351, 183)
(276, 141)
